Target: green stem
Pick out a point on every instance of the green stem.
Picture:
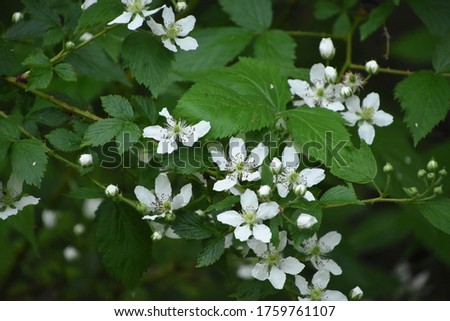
(391, 71)
(119, 196)
(299, 33)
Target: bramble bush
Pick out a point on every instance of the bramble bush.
(269, 149)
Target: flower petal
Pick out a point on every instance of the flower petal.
(382, 119)
(332, 295)
(182, 199)
(249, 200)
(155, 132)
(251, 177)
(257, 155)
(267, 210)
(309, 196)
(366, 132)
(328, 265)
(156, 28)
(353, 104)
(187, 43)
(317, 73)
(136, 22)
(257, 246)
(290, 158)
(320, 279)
(277, 278)
(125, 17)
(218, 158)
(282, 189)
(147, 13)
(243, 232)
(25, 201)
(152, 217)
(167, 146)
(260, 271)
(201, 129)
(351, 118)
(312, 176)
(301, 284)
(291, 265)
(8, 212)
(329, 241)
(334, 106)
(298, 87)
(225, 184)
(262, 232)
(14, 185)
(283, 240)
(168, 16)
(372, 100)
(232, 218)
(169, 45)
(236, 150)
(145, 196)
(163, 189)
(187, 25)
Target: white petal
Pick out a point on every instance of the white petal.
(8, 212)
(334, 106)
(182, 199)
(329, 241)
(236, 149)
(152, 217)
(366, 132)
(251, 177)
(249, 200)
(260, 271)
(267, 210)
(187, 43)
(25, 201)
(163, 189)
(289, 157)
(169, 45)
(309, 196)
(320, 279)
(155, 132)
(291, 265)
(165, 113)
(312, 176)
(298, 87)
(329, 265)
(201, 129)
(147, 13)
(136, 22)
(372, 100)
(156, 28)
(14, 185)
(283, 240)
(351, 118)
(125, 17)
(225, 184)
(232, 218)
(257, 246)
(145, 196)
(262, 233)
(277, 278)
(382, 119)
(243, 232)
(187, 25)
(301, 284)
(353, 104)
(282, 190)
(218, 158)
(168, 16)
(257, 155)
(167, 146)
(332, 295)
(317, 73)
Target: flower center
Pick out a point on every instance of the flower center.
(316, 250)
(315, 294)
(292, 178)
(6, 199)
(176, 129)
(240, 166)
(273, 258)
(173, 31)
(320, 92)
(249, 217)
(135, 6)
(367, 113)
(166, 206)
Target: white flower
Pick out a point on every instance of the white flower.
(86, 36)
(70, 253)
(17, 16)
(160, 230)
(356, 293)
(11, 200)
(90, 206)
(174, 32)
(135, 13)
(371, 67)
(249, 221)
(354, 81)
(366, 115)
(180, 6)
(317, 251)
(85, 160)
(264, 191)
(320, 93)
(290, 179)
(306, 221)
(272, 264)
(317, 291)
(175, 131)
(240, 167)
(326, 48)
(49, 218)
(330, 74)
(111, 190)
(161, 202)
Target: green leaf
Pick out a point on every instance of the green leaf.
(8, 130)
(39, 59)
(325, 9)
(226, 203)
(253, 290)
(342, 25)
(124, 242)
(192, 227)
(65, 72)
(276, 46)
(145, 107)
(10, 63)
(441, 56)
(255, 15)
(247, 97)
(433, 13)
(118, 107)
(29, 159)
(437, 213)
(50, 116)
(127, 136)
(100, 13)
(423, 91)
(148, 60)
(266, 175)
(319, 132)
(359, 165)
(53, 36)
(86, 193)
(64, 140)
(102, 131)
(376, 19)
(42, 11)
(211, 252)
(339, 195)
(24, 223)
(39, 78)
(216, 48)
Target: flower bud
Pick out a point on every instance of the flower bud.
(264, 191)
(180, 6)
(70, 253)
(69, 45)
(330, 74)
(306, 221)
(300, 190)
(346, 92)
(443, 172)
(86, 36)
(142, 208)
(111, 190)
(157, 235)
(170, 217)
(432, 165)
(421, 173)
(79, 229)
(438, 190)
(411, 191)
(356, 293)
(85, 160)
(372, 67)
(431, 176)
(388, 168)
(326, 48)
(200, 213)
(276, 166)
(17, 16)
(280, 124)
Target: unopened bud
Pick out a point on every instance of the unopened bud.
(276, 166)
(199, 213)
(356, 293)
(372, 67)
(111, 190)
(300, 190)
(142, 208)
(264, 191)
(85, 160)
(411, 191)
(86, 36)
(79, 229)
(388, 168)
(330, 74)
(431, 176)
(157, 235)
(170, 217)
(69, 45)
(17, 16)
(443, 172)
(326, 48)
(346, 92)
(306, 221)
(180, 6)
(280, 124)
(438, 190)
(432, 165)
(421, 173)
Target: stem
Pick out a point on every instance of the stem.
(119, 196)
(299, 33)
(52, 99)
(374, 200)
(391, 71)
